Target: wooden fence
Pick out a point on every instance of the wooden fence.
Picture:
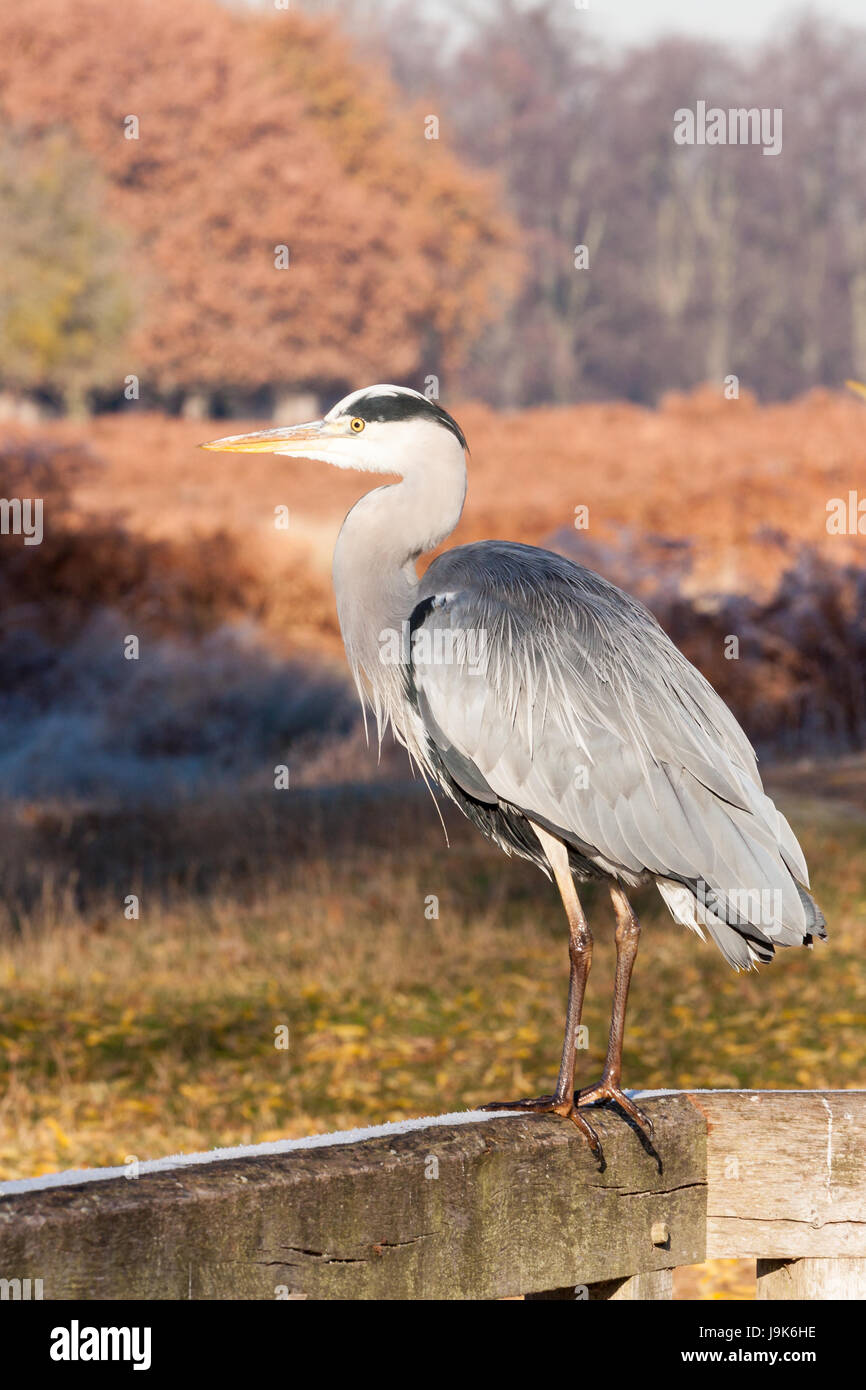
(469, 1206)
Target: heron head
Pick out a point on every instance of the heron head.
(380, 429)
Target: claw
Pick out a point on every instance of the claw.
(606, 1091)
(549, 1105)
(588, 1133)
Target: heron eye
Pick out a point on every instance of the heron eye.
(356, 425)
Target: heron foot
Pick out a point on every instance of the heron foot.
(607, 1091)
(549, 1105)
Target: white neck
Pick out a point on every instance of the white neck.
(375, 581)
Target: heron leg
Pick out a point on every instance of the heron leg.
(563, 1100)
(609, 1087)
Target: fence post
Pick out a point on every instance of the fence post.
(813, 1279)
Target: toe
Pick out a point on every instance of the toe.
(587, 1131)
(604, 1091)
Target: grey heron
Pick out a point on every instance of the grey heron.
(554, 710)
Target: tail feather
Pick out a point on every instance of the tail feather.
(742, 942)
(816, 922)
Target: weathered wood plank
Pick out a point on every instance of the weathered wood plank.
(786, 1173)
(489, 1210)
(512, 1205)
(812, 1279)
(655, 1284)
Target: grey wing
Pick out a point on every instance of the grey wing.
(547, 688)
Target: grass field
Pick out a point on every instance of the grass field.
(146, 1037)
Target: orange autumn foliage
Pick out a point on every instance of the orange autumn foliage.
(387, 276)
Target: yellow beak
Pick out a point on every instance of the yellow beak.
(858, 387)
(289, 439)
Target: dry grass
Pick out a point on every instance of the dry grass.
(736, 477)
(152, 1036)
(144, 1038)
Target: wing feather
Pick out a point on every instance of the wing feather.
(564, 698)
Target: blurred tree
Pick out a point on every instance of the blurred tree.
(273, 254)
(703, 260)
(460, 260)
(65, 303)
(524, 97)
(275, 131)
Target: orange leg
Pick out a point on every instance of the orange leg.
(562, 1102)
(609, 1087)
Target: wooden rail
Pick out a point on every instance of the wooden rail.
(469, 1206)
